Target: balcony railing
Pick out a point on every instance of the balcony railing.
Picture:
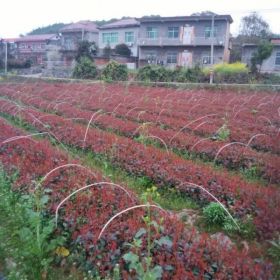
(195, 41)
(70, 47)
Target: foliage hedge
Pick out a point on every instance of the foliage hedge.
(151, 73)
(230, 73)
(115, 72)
(85, 69)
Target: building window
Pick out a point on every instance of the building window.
(151, 57)
(277, 59)
(206, 59)
(173, 32)
(129, 37)
(110, 37)
(172, 57)
(208, 29)
(152, 32)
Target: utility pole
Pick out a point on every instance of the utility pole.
(6, 58)
(83, 33)
(212, 50)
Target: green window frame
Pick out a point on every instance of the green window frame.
(129, 37)
(152, 32)
(173, 32)
(208, 31)
(110, 37)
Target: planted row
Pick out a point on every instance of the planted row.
(236, 156)
(176, 253)
(167, 169)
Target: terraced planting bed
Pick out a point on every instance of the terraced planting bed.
(120, 169)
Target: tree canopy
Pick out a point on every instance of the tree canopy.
(49, 29)
(253, 29)
(254, 26)
(122, 49)
(86, 49)
(264, 51)
(204, 13)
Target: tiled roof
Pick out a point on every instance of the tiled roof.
(9, 40)
(121, 23)
(35, 38)
(85, 25)
(275, 41)
(186, 18)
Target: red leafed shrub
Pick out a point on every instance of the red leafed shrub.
(188, 255)
(163, 168)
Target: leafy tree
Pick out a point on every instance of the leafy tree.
(254, 27)
(85, 69)
(152, 16)
(86, 49)
(52, 28)
(264, 51)
(204, 13)
(122, 49)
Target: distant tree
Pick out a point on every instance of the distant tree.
(49, 29)
(122, 49)
(85, 69)
(204, 13)
(264, 51)
(254, 27)
(152, 16)
(86, 49)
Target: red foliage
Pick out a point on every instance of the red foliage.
(191, 256)
(167, 169)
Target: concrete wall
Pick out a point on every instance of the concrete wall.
(121, 38)
(70, 40)
(221, 51)
(268, 65)
(198, 53)
(199, 28)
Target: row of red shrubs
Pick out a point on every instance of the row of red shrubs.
(191, 255)
(167, 169)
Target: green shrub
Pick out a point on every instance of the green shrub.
(152, 73)
(231, 68)
(17, 64)
(195, 75)
(230, 73)
(274, 252)
(270, 78)
(86, 49)
(27, 233)
(214, 214)
(85, 69)
(223, 132)
(115, 72)
(122, 49)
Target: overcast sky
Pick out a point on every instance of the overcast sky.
(21, 16)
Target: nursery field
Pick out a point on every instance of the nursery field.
(120, 181)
